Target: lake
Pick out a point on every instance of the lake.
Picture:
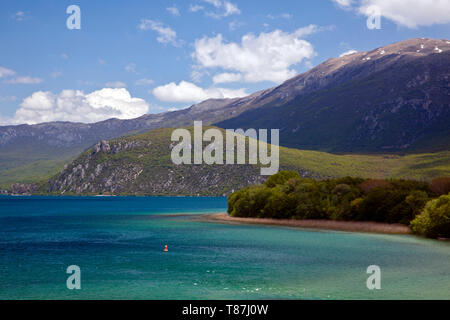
(118, 244)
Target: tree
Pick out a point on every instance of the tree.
(371, 184)
(434, 221)
(281, 178)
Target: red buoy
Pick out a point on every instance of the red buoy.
(165, 248)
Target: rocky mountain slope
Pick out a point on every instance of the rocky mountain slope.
(142, 165)
(391, 99)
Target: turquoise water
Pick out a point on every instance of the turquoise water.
(118, 244)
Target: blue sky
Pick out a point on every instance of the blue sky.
(133, 57)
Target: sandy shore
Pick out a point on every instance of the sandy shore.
(352, 226)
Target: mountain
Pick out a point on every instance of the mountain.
(392, 99)
(142, 165)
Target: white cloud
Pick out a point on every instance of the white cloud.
(12, 78)
(215, 3)
(55, 74)
(131, 67)
(346, 53)
(19, 16)
(283, 16)
(7, 98)
(230, 9)
(227, 77)
(24, 80)
(266, 57)
(408, 13)
(5, 72)
(173, 10)
(165, 34)
(76, 106)
(116, 84)
(196, 8)
(343, 3)
(224, 8)
(189, 92)
(144, 82)
(198, 73)
(309, 65)
(233, 25)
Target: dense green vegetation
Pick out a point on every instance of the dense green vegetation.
(32, 163)
(288, 196)
(434, 221)
(32, 173)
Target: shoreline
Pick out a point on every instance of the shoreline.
(332, 225)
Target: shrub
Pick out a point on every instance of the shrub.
(411, 185)
(416, 201)
(248, 202)
(371, 184)
(341, 189)
(377, 205)
(281, 178)
(312, 201)
(350, 181)
(434, 221)
(279, 205)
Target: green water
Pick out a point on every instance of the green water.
(118, 244)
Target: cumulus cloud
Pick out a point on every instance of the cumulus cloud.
(165, 34)
(408, 13)
(347, 53)
(266, 57)
(76, 106)
(189, 92)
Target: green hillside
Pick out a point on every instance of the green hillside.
(142, 165)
